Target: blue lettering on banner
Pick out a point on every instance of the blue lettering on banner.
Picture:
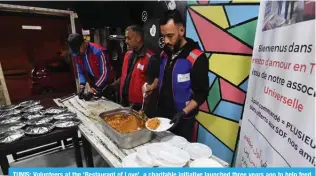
(161, 171)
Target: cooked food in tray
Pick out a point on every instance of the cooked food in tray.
(125, 123)
(153, 123)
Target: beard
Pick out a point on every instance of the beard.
(173, 48)
(176, 47)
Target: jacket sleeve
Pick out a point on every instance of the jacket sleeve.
(152, 71)
(81, 76)
(200, 81)
(104, 70)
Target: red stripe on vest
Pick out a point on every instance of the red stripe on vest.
(197, 53)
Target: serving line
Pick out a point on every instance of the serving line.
(92, 131)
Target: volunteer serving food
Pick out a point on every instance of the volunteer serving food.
(140, 66)
(183, 79)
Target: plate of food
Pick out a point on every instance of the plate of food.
(158, 124)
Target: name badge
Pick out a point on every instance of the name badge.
(140, 66)
(183, 77)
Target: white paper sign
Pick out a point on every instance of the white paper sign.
(140, 66)
(278, 125)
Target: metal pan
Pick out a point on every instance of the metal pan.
(54, 110)
(67, 123)
(30, 116)
(33, 109)
(66, 115)
(11, 127)
(29, 103)
(40, 121)
(11, 136)
(11, 119)
(129, 140)
(39, 129)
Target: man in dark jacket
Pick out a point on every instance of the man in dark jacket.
(183, 79)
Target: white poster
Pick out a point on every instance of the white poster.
(278, 125)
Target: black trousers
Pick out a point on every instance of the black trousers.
(186, 129)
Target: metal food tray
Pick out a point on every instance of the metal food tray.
(129, 140)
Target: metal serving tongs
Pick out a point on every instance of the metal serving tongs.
(142, 113)
(128, 112)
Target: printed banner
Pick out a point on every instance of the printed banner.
(278, 125)
(160, 172)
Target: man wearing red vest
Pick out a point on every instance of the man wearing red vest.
(183, 79)
(92, 63)
(140, 66)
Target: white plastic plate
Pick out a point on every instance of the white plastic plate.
(177, 141)
(131, 160)
(198, 151)
(166, 155)
(205, 162)
(145, 157)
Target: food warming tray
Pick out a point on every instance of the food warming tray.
(129, 140)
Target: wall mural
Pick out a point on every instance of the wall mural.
(225, 31)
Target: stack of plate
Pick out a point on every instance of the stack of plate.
(176, 141)
(132, 160)
(159, 155)
(173, 151)
(205, 162)
(198, 151)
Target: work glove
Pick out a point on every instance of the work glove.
(97, 94)
(87, 96)
(81, 93)
(176, 119)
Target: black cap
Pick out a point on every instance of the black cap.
(74, 42)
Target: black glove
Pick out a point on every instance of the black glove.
(97, 95)
(87, 96)
(81, 93)
(176, 119)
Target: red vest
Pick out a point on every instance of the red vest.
(138, 77)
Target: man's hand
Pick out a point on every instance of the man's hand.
(147, 89)
(93, 90)
(87, 96)
(176, 119)
(81, 92)
(97, 94)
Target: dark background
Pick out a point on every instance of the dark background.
(22, 50)
(97, 14)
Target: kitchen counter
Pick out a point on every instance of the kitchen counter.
(91, 130)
